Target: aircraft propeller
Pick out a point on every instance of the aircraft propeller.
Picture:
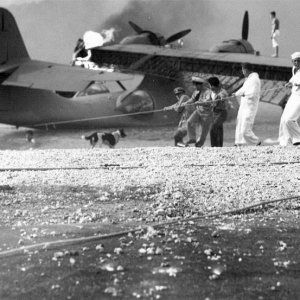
(159, 40)
(177, 36)
(136, 28)
(245, 28)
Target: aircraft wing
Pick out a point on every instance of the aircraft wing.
(197, 61)
(55, 77)
(274, 72)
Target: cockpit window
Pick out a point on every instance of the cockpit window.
(114, 86)
(98, 87)
(94, 88)
(138, 101)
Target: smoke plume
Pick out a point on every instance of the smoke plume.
(164, 17)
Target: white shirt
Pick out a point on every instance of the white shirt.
(295, 80)
(251, 88)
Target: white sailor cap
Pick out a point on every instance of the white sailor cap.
(198, 80)
(295, 55)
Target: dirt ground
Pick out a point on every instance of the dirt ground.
(12, 139)
(244, 256)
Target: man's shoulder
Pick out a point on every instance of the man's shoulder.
(253, 76)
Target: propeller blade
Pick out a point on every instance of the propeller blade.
(245, 28)
(177, 36)
(136, 28)
(153, 38)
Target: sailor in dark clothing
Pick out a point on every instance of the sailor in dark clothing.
(185, 112)
(219, 112)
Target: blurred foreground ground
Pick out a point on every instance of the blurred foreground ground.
(122, 201)
(249, 256)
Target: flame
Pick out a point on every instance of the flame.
(94, 39)
(108, 35)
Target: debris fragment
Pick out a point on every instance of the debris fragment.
(282, 246)
(171, 271)
(100, 247)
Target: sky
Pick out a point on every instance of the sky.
(50, 28)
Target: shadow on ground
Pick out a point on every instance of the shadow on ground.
(237, 257)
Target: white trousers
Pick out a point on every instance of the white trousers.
(245, 119)
(289, 129)
(275, 38)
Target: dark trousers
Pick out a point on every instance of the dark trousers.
(217, 131)
(204, 120)
(179, 135)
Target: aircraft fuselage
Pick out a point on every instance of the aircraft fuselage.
(21, 106)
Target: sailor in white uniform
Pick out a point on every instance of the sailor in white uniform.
(250, 95)
(289, 129)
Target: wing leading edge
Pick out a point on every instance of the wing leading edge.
(56, 77)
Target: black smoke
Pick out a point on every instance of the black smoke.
(164, 17)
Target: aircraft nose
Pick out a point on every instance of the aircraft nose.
(137, 101)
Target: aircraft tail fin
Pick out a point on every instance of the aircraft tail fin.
(11, 41)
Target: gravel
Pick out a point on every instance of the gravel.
(141, 184)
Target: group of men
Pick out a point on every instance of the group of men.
(205, 113)
(208, 105)
(207, 108)
(201, 109)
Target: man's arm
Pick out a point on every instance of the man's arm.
(252, 90)
(222, 96)
(170, 107)
(183, 100)
(204, 97)
(193, 99)
(240, 92)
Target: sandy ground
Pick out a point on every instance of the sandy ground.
(12, 139)
(266, 127)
